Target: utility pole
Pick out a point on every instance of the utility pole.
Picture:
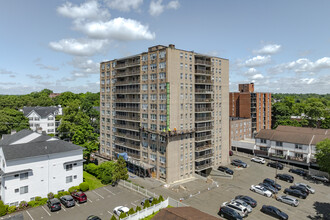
(275, 177)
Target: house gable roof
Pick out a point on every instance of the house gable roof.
(42, 111)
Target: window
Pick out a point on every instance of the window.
(153, 76)
(144, 57)
(68, 179)
(16, 190)
(153, 106)
(162, 106)
(263, 141)
(162, 65)
(162, 117)
(153, 96)
(153, 117)
(144, 67)
(37, 119)
(181, 65)
(181, 55)
(298, 146)
(153, 86)
(162, 75)
(162, 128)
(24, 176)
(145, 116)
(162, 96)
(162, 54)
(153, 157)
(153, 66)
(68, 167)
(50, 118)
(279, 143)
(145, 87)
(24, 189)
(144, 77)
(153, 127)
(144, 106)
(162, 159)
(153, 56)
(162, 85)
(145, 96)
(162, 170)
(181, 75)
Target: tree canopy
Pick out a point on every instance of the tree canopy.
(323, 155)
(12, 119)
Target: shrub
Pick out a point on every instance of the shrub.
(50, 195)
(3, 210)
(60, 194)
(160, 199)
(23, 205)
(113, 218)
(56, 196)
(91, 168)
(73, 189)
(66, 193)
(146, 204)
(33, 203)
(84, 186)
(11, 209)
(43, 201)
(122, 215)
(6, 207)
(138, 208)
(154, 201)
(37, 198)
(131, 211)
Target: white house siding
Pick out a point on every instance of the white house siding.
(46, 125)
(48, 175)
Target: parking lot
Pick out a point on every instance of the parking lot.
(209, 201)
(101, 202)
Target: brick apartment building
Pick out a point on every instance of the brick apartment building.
(240, 128)
(249, 104)
(167, 109)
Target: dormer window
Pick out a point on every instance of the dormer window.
(50, 118)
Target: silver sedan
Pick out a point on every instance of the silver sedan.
(288, 200)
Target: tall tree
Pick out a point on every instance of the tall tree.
(323, 155)
(11, 119)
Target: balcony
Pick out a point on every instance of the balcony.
(127, 82)
(203, 167)
(203, 138)
(203, 157)
(136, 156)
(203, 90)
(129, 109)
(203, 72)
(203, 81)
(203, 109)
(128, 64)
(128, 117)
(203, 148)
(127, 144)
(127, 100)
(127, 135)
(127, 126)
(206, 128)
(123, 91)
(203, 100)
(304, 159)
(202, 62)
(127, 73)
(204, 118)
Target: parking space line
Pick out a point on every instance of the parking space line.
(109, 191)
(63, 208)
(133, 204)
(109, 212)
(77, 204)
(89, 200)
(28, 215)
(46, 211)
(98, 195)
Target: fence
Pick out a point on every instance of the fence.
(148, 211)
(318, 173)
(137, 189)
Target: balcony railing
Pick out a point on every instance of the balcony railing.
(203, 100)
(199, 71)
(136, 156)
(203, 90)
(127, 100)
(127, 73)
(206, 128)
(203, 148)
(203, 81)
(127, 144)
(203, 118)
(127, 64)
(304, 159)
(127, 126)
(202, 138)
(204, 109)
(127, 82)
(128, 117)
(118, 91)
(127, 135)
(203, 167)
(199, 157)
(202, 62)
(131, 109)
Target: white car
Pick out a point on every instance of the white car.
(120, 209)
(241, 210)
(258, 160)
(261, 190)
(241, 202)
(310, 189)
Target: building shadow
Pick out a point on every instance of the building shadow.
(322, 211)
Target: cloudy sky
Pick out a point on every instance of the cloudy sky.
(281, 46)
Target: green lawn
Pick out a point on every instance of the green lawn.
(92, 181)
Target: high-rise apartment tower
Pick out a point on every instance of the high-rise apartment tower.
(168, 110)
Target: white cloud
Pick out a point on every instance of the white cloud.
(84, 67)
(4, 71)
(34, 76)
(257, 61)
(87, 10)
(156, 7)
(124, 5)
(257, 76)
(79, 47)
(118, 29)
(268, 49)
(307, 80)
(251, 71)
(302, 65)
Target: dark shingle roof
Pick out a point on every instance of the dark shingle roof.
(33, 149)
(8, 139)
(295, 135)
(42, 111)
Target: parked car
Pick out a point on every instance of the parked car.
(80, 197)
(275, 165)
(67, 201)
(301, 188)
(310, 189)
(275, 212)
(54, 204)
(226, 170)
(320, 178)
(114, 183)
(228, 213)
(93, 217)
(296, 193)
(300, 172)
(238, 163)
(150, 199)
(272, 182)
(261, 190)
(269, 187)
(288, 200)
(253, 203)
(285, 177)
(241, 202)
(120, 209)
(241, 210)
(258, 160)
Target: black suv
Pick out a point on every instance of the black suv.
(275, 212)
(300, 188)
(276, 165)
(248, 200)
(285, 177)
(226, 170)
(238, 163)
(296, 193)
(228, 213)
(272, 182)
(300, 172)
(54, 205)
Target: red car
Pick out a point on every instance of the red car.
(231, 153)
(80, 197)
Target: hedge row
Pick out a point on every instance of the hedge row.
(38, 201)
